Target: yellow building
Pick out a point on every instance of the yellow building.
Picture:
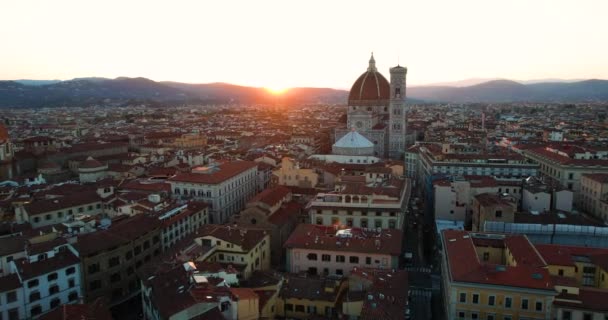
(291, 174)
(594, 194)
(302, 297)
(189, 141)
(247, 303)
(580, 276)
(492, 207)
(267, 285)
(246, 250)
(494, 277)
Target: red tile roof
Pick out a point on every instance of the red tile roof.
(588, 299)
(370, 86)
(271, 196)
(225, 171)
(597, 177)
(317, 237)
(288, 211)
(561, 255)
(247, 239)
(118, 234)
(555, 157)
(309, 288)
(62, 259)
(387, 298)
(146, 186)
(77, 199)
(464, 264)
(90, 163)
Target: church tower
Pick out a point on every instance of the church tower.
(398, 113)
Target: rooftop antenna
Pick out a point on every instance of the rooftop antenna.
(398, 58)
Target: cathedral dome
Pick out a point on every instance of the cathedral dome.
(353, 144)
(371, 88)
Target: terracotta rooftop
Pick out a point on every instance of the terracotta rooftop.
(317, 237)
(566, 255)
(597, 177)
(309, 288)
(118, 234)
(588, 299)
(29, 270)
(564, 160)
(90, 163)
(271, 196)
(387, 298)
(464, 264)
(146, 186)
(247, 239)
(491, 199)
(73, 200)
(223, 172)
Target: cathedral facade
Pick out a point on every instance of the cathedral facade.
(377, 110)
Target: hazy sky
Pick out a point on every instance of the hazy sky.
(303, 43)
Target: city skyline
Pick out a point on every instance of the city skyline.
(278, 45)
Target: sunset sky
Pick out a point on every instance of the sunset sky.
(303, 43)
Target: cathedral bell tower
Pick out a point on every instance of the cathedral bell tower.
(398, 113)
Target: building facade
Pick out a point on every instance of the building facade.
(379, 206)
(45, 212)
(567, 165)
(327, 250)
(46, 278)
(594, 195)
(225, 187)
(495, 277)
(180, 221)
(110, 258)
(246, 250)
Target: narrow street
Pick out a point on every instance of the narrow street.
(424, 277)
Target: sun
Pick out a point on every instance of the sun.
(276, 90)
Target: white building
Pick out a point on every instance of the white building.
(49, 276)
(225, 187)
(364, 202)
(453, 198)
(539, 196)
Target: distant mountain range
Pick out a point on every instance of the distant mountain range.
(496, 91)
(83, 91)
